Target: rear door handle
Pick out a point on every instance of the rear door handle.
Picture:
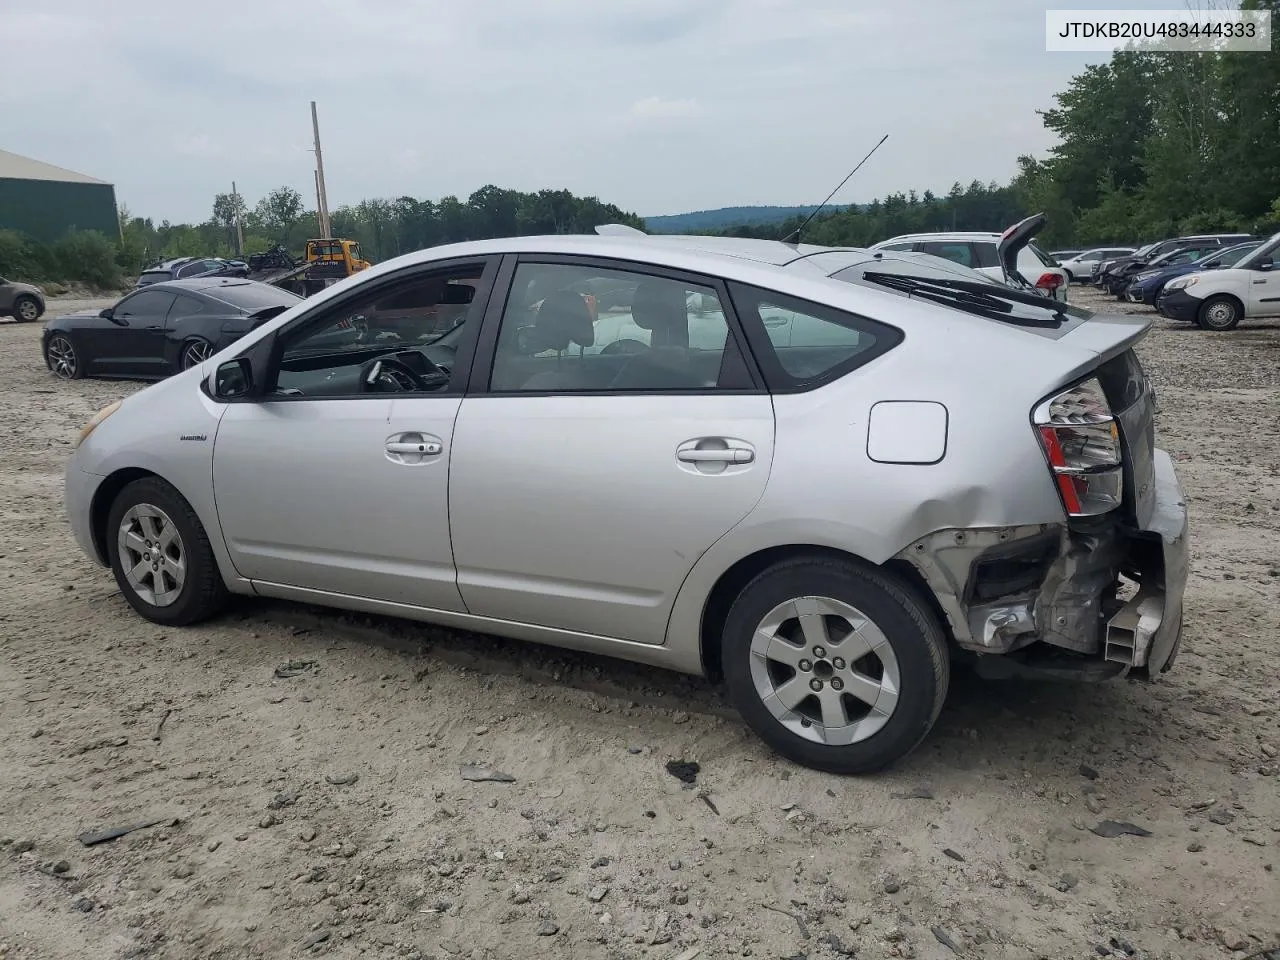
(714, 454)
(693, 455)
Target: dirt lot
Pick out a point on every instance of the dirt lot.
(324, 813)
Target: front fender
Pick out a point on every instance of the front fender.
(168, 430)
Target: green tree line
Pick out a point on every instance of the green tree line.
(384, 229)
(1151, 145)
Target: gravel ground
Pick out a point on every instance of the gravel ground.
(325, 814)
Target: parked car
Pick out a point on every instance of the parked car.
(1150, 253)
(161, 329)
(184, 268)
(1118, 276)
(1147, 285)
(1219, 299)
(1079, 266)
(822, 520)
(979, 251)
(22, 301)
(1061, 255)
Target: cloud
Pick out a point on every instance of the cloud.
(658, 107)
(431, 97)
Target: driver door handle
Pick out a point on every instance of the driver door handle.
(408, 446)
(413, 448)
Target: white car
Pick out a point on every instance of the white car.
(1080, 267)
(1220, 299)
(981, 252)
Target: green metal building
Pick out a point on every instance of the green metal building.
(47, 202)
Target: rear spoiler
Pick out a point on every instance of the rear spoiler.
(1012, 241)
(259, 317)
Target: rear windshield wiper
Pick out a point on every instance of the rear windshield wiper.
(983, 299)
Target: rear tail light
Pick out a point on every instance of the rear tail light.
(1081, 441)
(1049, 281)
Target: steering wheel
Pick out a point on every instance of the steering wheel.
(389, 375)
(625, 346)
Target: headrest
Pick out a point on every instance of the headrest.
(457, 293)
(562, 319)
(659, 305)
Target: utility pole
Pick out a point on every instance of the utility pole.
(237, 204)
(319, 207)
(322, 198)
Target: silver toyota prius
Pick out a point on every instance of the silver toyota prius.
(821, 476)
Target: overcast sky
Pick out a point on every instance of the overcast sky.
(659, 106)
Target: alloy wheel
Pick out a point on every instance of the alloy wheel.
(62, 357)
(825, 670)
(196, 353)
(151, 554)
(28, 309)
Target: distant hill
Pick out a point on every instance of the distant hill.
(725, 217)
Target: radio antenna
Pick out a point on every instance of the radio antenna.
(818, 209)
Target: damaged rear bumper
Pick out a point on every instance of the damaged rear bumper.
(1091, 600)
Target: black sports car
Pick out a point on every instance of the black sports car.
(161, 329)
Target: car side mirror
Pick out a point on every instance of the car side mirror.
(1266, 264)
(233, 379)
(106, 313)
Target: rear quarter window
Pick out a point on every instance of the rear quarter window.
(251, 297)
(957, 251)
(800, 344)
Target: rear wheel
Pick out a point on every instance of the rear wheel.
(160, 555)
(26, 309)
(835, 665)
(195, 352)
(1219, 313)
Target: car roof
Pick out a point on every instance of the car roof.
(945, 235)
(199, 284)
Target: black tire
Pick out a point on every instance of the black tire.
(907, 624)
(26, 309)
(1219, 313)
(62, 357)
(187, 359)
(202, 593)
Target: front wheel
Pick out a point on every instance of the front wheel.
(835, 665)
(60, 353)
(1219, 313)
(160, 555)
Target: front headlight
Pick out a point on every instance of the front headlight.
(97, 419)
(1181, 283)
(1145, 276)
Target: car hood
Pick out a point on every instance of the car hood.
(1168, 273)
(77, 315)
